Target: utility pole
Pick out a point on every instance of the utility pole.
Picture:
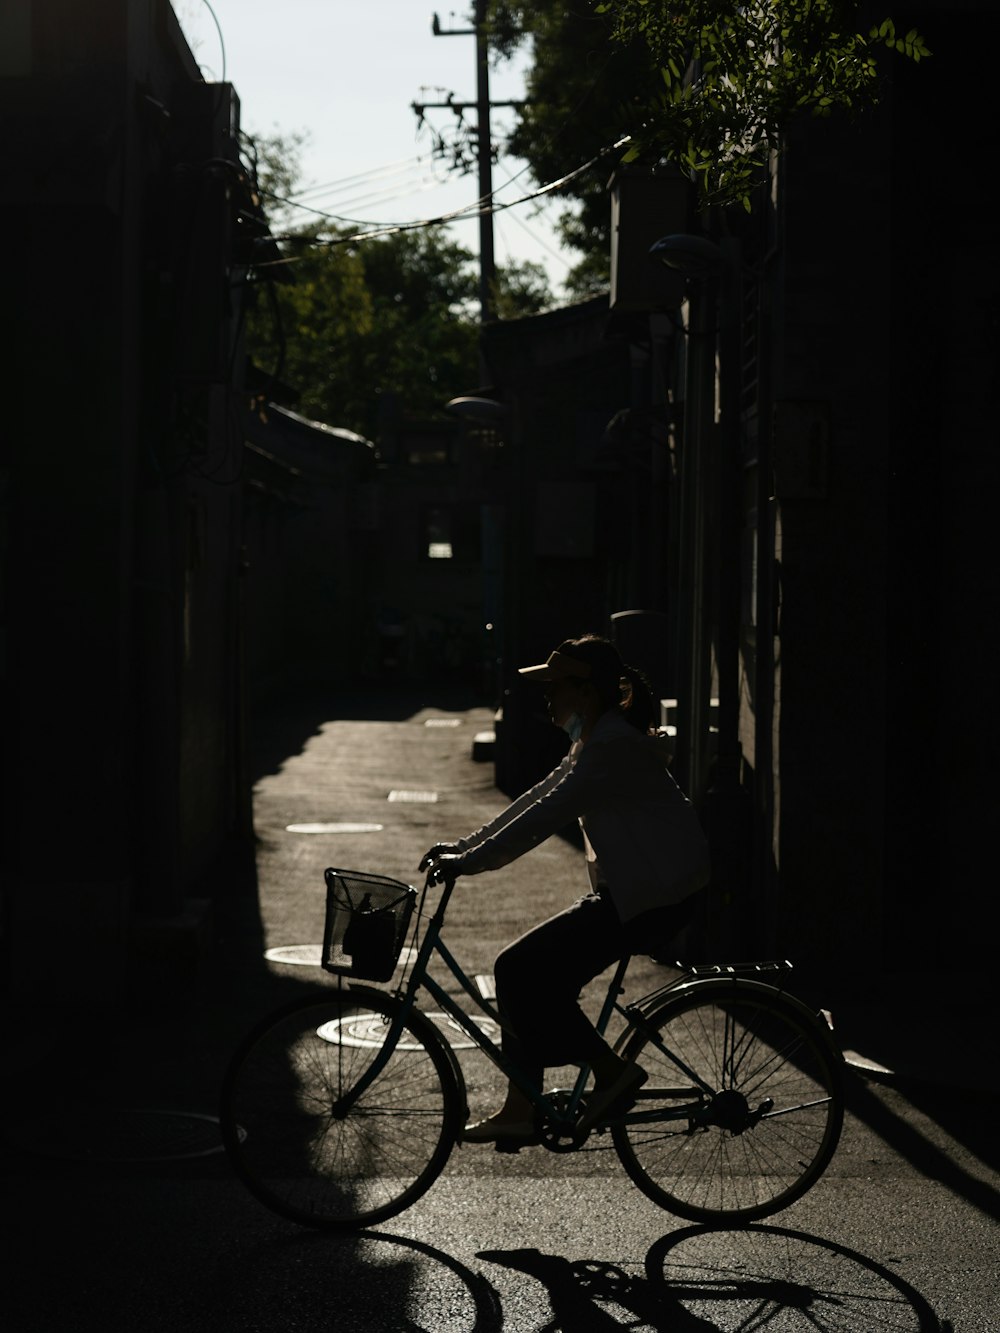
(484, 147)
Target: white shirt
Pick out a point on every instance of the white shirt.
(642, 836)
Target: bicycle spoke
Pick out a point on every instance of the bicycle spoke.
(331, 1167)
(771, 1128)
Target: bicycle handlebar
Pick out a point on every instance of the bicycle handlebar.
(439, 871)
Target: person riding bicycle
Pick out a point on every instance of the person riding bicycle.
(647, 857)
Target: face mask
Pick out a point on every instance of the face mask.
(573, 727)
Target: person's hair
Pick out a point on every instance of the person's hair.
(617, 684)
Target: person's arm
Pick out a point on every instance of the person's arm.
(518, 806)
(562, 797)
(500, 821)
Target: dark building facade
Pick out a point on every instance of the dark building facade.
(123, 783)
(796, 461)
(771, 480)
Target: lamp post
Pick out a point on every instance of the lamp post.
(499, 548)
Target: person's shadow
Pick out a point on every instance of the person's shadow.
(704, 1280)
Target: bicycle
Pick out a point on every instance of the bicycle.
(341, 1109)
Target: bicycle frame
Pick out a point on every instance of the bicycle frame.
(759, 1051)
(419, 978)
(491, 1050)
(694, 1096)
(432, 944)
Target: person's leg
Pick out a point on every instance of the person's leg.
(655, 932)
(540, 975)
(616, 1081)
(539, 978)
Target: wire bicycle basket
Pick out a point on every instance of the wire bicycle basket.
(366, 921)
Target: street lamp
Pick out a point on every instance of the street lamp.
(478, 409)
(484, 419)
(694, 256)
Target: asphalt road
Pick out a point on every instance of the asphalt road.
(123, 1214)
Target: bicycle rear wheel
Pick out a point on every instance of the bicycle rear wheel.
(307, 1157)
(761, 1086)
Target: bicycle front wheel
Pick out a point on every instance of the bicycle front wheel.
(310, 1155)
(743, 1107)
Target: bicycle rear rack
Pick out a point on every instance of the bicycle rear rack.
(711, 971)
(701, 970)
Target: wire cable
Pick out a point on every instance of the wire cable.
(421, 184)
(222, 43)
(399, 166)
(391, 194)
(399, 183)
(478, 208)
(542, 244)
(538, 240)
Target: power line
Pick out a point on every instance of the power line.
(474, 210)
(484, 148)
(318, 207)
(556, 254)
(400, 165)
(379, 177)
(390, 194)
(395, 174)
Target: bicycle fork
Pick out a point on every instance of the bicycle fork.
(341, 1106)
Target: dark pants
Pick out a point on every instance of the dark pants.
(540, 976)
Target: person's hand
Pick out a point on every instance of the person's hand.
(439, 849)
(442, 869)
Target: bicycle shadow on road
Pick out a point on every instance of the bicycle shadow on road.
(704, 1280)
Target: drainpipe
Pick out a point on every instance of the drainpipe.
(713, 273)
(729, 482)
(694, 678)
(726, 809)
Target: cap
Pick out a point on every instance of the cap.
(558, 667)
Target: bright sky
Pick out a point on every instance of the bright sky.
(345, 72)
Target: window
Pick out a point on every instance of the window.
(450, 532)
(426, 448)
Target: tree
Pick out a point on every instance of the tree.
(359, 321)
(708, 85)
(584, 92)
(735, 76)
(357, 318)
(522, 289)
(275, 162)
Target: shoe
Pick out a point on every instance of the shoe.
(496, 1130)
(602, 1101)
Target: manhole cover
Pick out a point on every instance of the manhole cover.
(311, 955)
(296, 955)
(370, 1030)
(99, 1134)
